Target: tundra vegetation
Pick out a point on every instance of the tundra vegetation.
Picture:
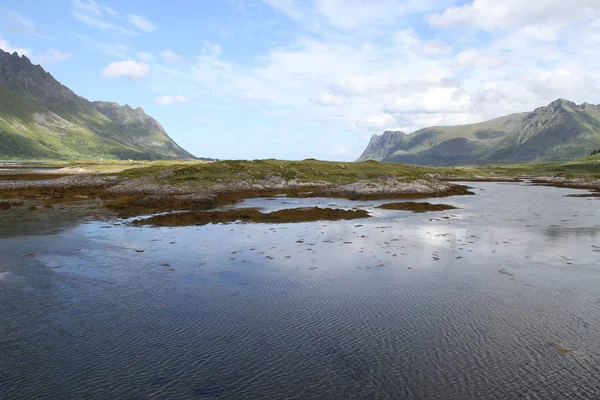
(134, 189)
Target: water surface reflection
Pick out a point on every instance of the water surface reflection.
(466, 303)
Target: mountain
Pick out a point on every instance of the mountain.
(560, 131)
(42, 119)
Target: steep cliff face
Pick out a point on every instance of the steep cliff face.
(379, 145)
(41, 118)
(559, 131)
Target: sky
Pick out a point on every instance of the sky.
(294, 79)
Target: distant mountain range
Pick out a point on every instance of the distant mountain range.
(42, 119)
(561, 131)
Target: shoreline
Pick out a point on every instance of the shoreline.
(201, 187)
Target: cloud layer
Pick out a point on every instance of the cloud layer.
(105, 18)
(128, 69)
(171, 100)
(357, 63)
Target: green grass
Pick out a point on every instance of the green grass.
(302, 171)
(585, 168)
(210, 173)
(344, 172)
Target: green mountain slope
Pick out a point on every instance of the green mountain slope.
(42, 119)
(561, 131)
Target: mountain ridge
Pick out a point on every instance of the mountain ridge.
(559, 131)
(40, 118)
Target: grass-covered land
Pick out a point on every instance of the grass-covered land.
(344, 172)
(584, 168)
(130, 189)
(207, 173)
(306, 170)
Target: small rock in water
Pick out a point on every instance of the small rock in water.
(559, 349)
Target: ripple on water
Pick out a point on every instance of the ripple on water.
(228, 322)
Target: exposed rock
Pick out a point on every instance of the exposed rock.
(388, 188)
(380, 145)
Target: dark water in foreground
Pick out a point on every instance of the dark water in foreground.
(397, 306)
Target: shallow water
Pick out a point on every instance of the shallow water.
(469, 303)
(27, 170)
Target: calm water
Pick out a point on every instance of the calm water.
(463, 304)
(26, 170)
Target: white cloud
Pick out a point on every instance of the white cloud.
(471, 58)
(16, 23)
(45, 58)
(529, 36)
(141, 23)
(349, 14)
(375, 122)
(88, 15)
(171, 100)
(129, 69)
(117, 50)
(105, 18)
(170, 56)
(4, 45)
(111, 12)
(339, 151)
(492, 15)
(379, 75)
(328, 99)
(51, 56)
(441, 100)
(89, 7)
(89, 12)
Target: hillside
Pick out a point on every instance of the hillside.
(561, 131)
(42, 119)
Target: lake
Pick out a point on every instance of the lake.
(499, 299)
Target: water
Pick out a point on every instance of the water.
(465, 304)
(27, 170)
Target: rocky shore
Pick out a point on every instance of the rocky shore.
(151, 194)
(201, 187)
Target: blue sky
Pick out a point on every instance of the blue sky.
(294, 79)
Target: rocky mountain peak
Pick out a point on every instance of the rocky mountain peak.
(18, 73)
(69, 125)
(125, 116)
(557, 106)
(559, 131)
(561, 102)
